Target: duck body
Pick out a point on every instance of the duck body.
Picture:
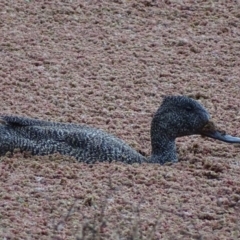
(86, 144)
(176, 117)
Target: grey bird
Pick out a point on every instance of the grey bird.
(176, 117)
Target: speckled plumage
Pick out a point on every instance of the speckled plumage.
(82, 142)
(177, 116)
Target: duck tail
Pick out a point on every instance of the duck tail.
(16, 121)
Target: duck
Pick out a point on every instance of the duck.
(177, 116)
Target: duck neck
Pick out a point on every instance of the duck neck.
(163, 150)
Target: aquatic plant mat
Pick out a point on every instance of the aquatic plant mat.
(108, 64)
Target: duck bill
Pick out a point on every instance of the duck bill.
(222, 137)
(209, 130)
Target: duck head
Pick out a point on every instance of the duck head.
(180, 116)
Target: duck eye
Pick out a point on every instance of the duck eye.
(189, 108)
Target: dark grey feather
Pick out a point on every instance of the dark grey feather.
(177, 116)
